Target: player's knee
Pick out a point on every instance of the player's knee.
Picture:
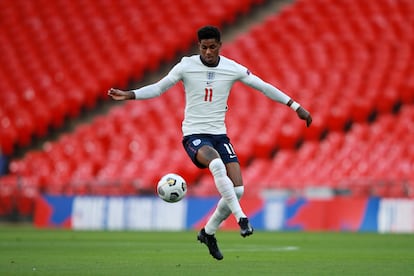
(206, 154)
(239, 191)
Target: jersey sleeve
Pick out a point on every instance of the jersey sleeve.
(158, 88)
(266, 88)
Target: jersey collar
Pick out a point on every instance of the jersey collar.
(209, 65)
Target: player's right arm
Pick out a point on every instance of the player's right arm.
(120, 95)
(148, 91)
(145, 92)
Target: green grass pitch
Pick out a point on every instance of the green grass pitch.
(27, 251)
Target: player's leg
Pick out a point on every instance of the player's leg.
(208, 156)
(228, 155)
(222, 211)
(202, 159)
(235, 175)
(192, 144)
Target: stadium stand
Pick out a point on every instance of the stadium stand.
(61, 56)
(342, 163)
(375, 159)
(349, 62)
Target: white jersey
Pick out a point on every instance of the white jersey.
(207, 90)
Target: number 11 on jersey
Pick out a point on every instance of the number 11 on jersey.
(208, 94)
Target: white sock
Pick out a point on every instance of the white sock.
(221, 213)
(225, 187)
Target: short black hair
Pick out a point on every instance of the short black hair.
(208, 32)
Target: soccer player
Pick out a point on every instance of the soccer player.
(208, 78)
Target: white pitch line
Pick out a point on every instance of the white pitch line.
(262, 249)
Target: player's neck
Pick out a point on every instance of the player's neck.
(210, 65)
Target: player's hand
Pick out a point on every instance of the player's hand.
(304, 115)
(120, 95)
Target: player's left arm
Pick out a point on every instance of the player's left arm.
(277, 95)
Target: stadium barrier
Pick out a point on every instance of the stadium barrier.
(364, 214)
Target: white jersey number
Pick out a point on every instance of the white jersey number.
(230, 150)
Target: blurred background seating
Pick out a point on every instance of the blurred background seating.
(348, 61)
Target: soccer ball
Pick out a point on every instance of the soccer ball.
(171, 187)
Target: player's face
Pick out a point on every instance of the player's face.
(209, 50)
